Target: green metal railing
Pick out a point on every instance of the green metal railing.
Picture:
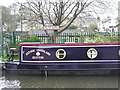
(67, 37)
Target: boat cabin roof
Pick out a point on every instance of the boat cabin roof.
(67, 44)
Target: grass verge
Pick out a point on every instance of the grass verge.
(6, 57)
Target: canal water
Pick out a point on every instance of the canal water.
(66, 81)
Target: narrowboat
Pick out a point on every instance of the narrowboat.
(37, 57)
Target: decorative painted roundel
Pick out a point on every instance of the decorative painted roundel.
(92, 53)
(119, 52)
(60, 53)
(38, 54)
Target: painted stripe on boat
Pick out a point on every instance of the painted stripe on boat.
(76, 61)
(71, 46)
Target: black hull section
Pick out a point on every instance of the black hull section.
(61, 69)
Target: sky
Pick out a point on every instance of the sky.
(9, 2)
(113, 14)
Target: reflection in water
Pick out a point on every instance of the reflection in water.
(5, 83)
(36, 81)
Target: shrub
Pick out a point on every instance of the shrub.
(31, 39)
(113, 37)
(95, 40)
(72, 27)
(97, 37)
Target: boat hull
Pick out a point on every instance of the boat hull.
(66, 57)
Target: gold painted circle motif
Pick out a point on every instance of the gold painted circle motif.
(119, 52)
(92, 53)
(60, 53)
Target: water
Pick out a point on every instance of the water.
(58, 82)
(38, 81)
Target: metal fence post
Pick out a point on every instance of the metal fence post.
(14, 39)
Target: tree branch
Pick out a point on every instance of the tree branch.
(68, 13)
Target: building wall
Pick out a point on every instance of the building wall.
(1, 30)
(119, 15)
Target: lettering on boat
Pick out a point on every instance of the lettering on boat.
(43, 51)
(37, 50)
(37, 54)
(37, 57)
(30, 51)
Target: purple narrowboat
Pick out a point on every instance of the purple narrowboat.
(68, 56)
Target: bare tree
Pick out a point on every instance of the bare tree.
(60, 13)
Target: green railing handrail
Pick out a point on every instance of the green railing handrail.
(62, 38)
